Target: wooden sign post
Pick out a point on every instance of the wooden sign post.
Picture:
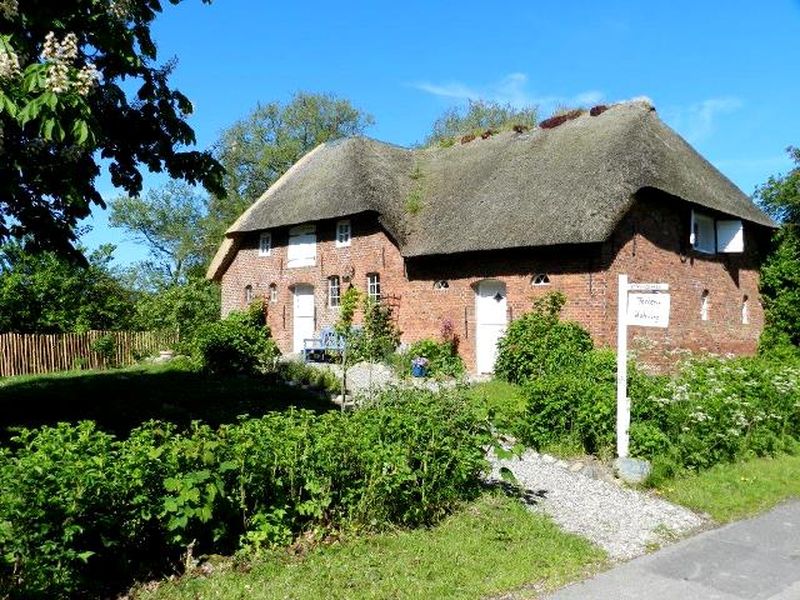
(643, 305)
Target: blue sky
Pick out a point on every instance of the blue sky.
(723, 74)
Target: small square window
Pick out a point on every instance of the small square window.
(334, 291)
(265, 244)
(374, 287)
(343, 234)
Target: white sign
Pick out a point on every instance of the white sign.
(648, 310)
(648, 287)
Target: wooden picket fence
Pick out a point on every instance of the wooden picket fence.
(31, 354)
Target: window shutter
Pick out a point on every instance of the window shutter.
(730, 236)
(302, 246)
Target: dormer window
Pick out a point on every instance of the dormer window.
(343, 233)
(265, 244)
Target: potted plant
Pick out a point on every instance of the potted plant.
(419, 366)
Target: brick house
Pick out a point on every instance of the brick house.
(471, 234)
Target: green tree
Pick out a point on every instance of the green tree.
(168, 220)
(478, 116)
(45, 293)
(64, 108)
(258, 149)
(181, 308)
(780, 273)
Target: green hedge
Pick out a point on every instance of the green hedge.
(82, 513)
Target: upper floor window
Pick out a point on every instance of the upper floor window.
(442, 284)
(343, 233)
(712, 235)
(704, 236)
(374, 287)
(273, 293)
(302, 246)
(265, 244)
(540, 279)
(248, 294)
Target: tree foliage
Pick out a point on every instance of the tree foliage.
(63, 109)
(780, 274)
(478, 116)
(181, 308)
(45, 293)
(169, 221)
(258, 149)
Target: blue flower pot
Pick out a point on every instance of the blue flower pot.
(418, 371)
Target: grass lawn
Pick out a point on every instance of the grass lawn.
(493, 545)
(734, 491)
(121, 399)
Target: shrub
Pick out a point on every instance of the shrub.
(82, 512)
(538, 343)
(720, 410)
(379, 336)
(105, 347)
(303, 374)
(240, 343)
(443, 358)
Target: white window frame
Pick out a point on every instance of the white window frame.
(302, 249)
(265, 244)
(249, 295)
(334, 283)
(746, 310)
(273, 293)
(540, 279)
(344, 233)
(374, 286)
(704, 233)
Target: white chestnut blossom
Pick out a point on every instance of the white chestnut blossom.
(63, 74)
(120, 9)
(86, 79)
(9, 63)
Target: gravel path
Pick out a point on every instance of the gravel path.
(624, 522)
(364, 377)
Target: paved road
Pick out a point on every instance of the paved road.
(757, 559)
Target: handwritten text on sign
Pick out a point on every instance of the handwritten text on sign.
(648, 310)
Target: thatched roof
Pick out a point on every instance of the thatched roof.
(567, 185)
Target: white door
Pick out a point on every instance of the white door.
(491, 319)
(303, 320)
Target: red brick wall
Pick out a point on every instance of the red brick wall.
(650, 245)
(370, 251)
